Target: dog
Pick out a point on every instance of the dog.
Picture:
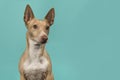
(35, 62)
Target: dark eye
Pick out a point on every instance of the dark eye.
(35, 26)
(47, 27)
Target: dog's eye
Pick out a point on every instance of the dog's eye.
(35, 26)
(47, 27)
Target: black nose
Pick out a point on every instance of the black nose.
(44, 39)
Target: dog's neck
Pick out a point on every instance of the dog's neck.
(35, 50)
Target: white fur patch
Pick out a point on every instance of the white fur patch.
(33, 52)
(35, 64)
(34, 61)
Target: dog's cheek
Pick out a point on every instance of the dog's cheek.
(46, 31)
(35, 34)
(31, 34)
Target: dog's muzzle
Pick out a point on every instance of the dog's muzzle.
(44, 39)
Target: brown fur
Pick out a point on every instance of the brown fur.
(30, 21)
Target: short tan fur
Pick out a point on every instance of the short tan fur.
(35, 62)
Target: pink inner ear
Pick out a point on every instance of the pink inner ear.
(27, 16)
(25, 19)
(50, 16)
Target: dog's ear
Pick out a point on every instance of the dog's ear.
(50, 16)
(28, 14)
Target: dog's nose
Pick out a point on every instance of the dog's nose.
(44, 39)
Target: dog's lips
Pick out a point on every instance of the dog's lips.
(40, 41)
(38, 44)
(44, 41)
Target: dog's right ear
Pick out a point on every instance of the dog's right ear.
(28, 14)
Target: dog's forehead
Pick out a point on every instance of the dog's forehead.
(38, 22)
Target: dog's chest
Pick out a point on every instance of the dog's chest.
(35, 68)
(40, 63)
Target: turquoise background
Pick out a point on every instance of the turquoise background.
(84, 42)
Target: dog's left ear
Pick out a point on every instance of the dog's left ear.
(50, 16)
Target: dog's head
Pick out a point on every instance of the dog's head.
(38, 29)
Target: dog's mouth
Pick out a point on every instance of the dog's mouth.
(41, 42)
(44, 41)
(38, 44)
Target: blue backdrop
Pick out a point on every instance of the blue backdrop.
(84, 42)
